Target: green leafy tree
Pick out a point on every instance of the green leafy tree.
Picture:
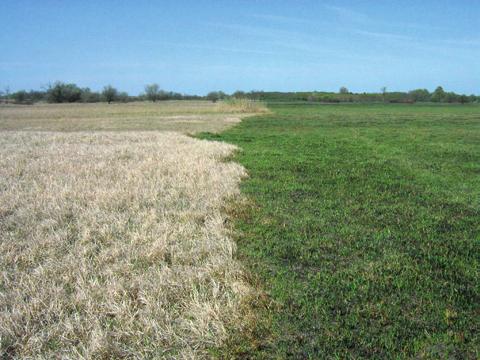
(438, 95)
(464, 99)
(419, 95)
(60, 92)
(451, 97)
(343, 90)
(214, 96)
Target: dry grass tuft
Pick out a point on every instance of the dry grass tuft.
(114, 245)
(242, 106)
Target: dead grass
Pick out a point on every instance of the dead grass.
(242, 106)
(115, 245)
(183, 116)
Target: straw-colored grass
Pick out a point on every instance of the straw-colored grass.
(243, 106)
(115, 245)
(183, 116)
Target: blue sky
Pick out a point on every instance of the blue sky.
(198, 46)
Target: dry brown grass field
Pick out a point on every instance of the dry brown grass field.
(183, 116)
(115, 244)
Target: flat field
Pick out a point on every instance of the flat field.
(363, 228)
(357, 224)
(183, 116)
(117, 244)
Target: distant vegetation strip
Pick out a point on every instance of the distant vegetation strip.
(60, 92)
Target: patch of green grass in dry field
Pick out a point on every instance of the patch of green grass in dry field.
(363, 228)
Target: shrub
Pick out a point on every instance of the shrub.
(214, 96)
(20, 96)
(123, 96)
(89, 96)
(61, 93)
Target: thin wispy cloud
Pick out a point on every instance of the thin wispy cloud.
(265, 32)
(300, 44)
(250, 30)
(354, 16)
(384, 35)
(348, 14)
(466, 42)
(323, 51)
(419, 42)
(219, 48)
(283, 19)
(409, 25)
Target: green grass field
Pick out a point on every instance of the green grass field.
(363, 228)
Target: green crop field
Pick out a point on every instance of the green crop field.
(362, 227)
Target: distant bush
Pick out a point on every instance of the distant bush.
(239, 94)
(123, 97)
(62, 93)
(214, 96)
(419, 95)
(89, 96)
(20, 97)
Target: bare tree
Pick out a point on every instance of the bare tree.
(7, 93)
(152, 92)
(109, 93)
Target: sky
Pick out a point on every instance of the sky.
(198, 46)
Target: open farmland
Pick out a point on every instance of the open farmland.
(183, 116)
(355, 234)
(363, 227)
(116, 244)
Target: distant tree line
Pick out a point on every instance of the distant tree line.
(60, 92)
(344, 96)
